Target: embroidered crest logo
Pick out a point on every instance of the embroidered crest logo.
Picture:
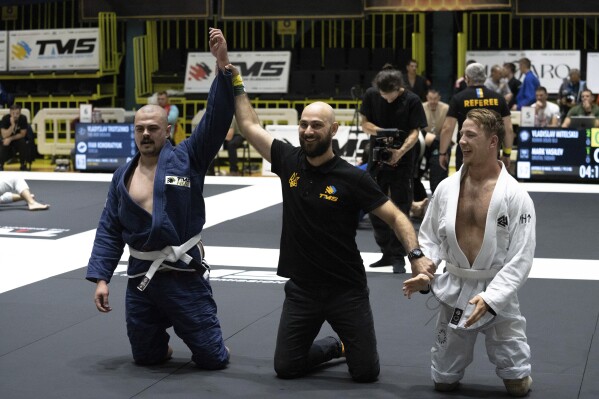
(293, 180)
(177, 181)
(502, 221)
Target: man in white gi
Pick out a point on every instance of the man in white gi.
(482, 223)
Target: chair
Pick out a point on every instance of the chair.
(335, 58)
(325, 84)
(358, 58)
(300, 84)
(348, 79)
(380, 57)
(170, 63)
(310, 58)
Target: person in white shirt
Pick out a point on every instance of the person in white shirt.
(547, 114)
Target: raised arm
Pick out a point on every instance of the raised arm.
(248, 122)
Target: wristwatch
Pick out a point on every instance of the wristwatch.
(415, 254)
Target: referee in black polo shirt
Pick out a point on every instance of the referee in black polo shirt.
(476, 95)
(322, 198)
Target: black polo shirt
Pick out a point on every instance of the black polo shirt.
(320, 216)
(404, 113)
(476, 97)
(21, 123)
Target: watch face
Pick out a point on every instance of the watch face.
(415, 253)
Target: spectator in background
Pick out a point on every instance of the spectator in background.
(233, 141)
(435, 111)
(13, 127)
(416, 83)
(546, 113)
(172, 113)
(509, 74)
(587, 107)
(13, 189)
(527, 93)
(461, 84)
(496, 82)
(570, 92)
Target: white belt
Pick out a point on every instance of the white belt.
(471, 274)
(170, 253)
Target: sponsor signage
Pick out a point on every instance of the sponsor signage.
(566, 155)
(33, 232)
(58, 49)
(593, 78)
(262, 72)
(3, 51)
(550, 66)
(103, 146)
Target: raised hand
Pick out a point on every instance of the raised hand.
(218, 47)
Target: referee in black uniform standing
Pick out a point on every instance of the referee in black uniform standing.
(322, 197)
(476, 95)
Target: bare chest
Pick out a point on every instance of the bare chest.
(141, 188)
(471, 218)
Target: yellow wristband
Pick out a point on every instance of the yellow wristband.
(507, 152)
(237, 81)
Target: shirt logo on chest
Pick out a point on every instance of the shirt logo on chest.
(293, 180)
(502, 221)
(329, 194)
(178, 181)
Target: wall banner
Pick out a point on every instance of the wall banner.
(58, 49)
(262, 72)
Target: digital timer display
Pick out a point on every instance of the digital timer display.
(562, 155)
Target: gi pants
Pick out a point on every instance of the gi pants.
(348, 312)
(505, 339)
(184, 301)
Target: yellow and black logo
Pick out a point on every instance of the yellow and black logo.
(293, 180)
(329, 194)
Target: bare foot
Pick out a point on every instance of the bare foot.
(419, 283)
(36, 206)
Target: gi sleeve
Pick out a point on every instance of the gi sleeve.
(429, 235)
(520, 254)
(109, 243)
(209, 135)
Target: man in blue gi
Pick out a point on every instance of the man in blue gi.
(155, 205)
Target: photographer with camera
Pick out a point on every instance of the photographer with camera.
(393, 117)
(570, 92)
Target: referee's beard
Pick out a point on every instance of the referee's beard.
(317, 147)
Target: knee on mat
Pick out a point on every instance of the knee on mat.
(366, 376)
(211, 364)
(287, 371)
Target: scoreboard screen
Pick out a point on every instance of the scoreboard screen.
(559, 155)
(103, 147)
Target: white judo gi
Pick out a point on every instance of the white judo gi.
(499, 270)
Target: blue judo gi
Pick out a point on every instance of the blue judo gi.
(181, 298)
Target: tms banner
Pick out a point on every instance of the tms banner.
(103, 147)
(560, 155)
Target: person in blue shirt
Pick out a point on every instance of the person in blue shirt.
(527, 95)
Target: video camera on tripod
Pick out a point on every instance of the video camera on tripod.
(385, 141)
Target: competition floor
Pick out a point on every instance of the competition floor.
(54, 344)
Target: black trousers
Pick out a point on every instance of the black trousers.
(398, 185)
(18, 145)
(348, 312)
